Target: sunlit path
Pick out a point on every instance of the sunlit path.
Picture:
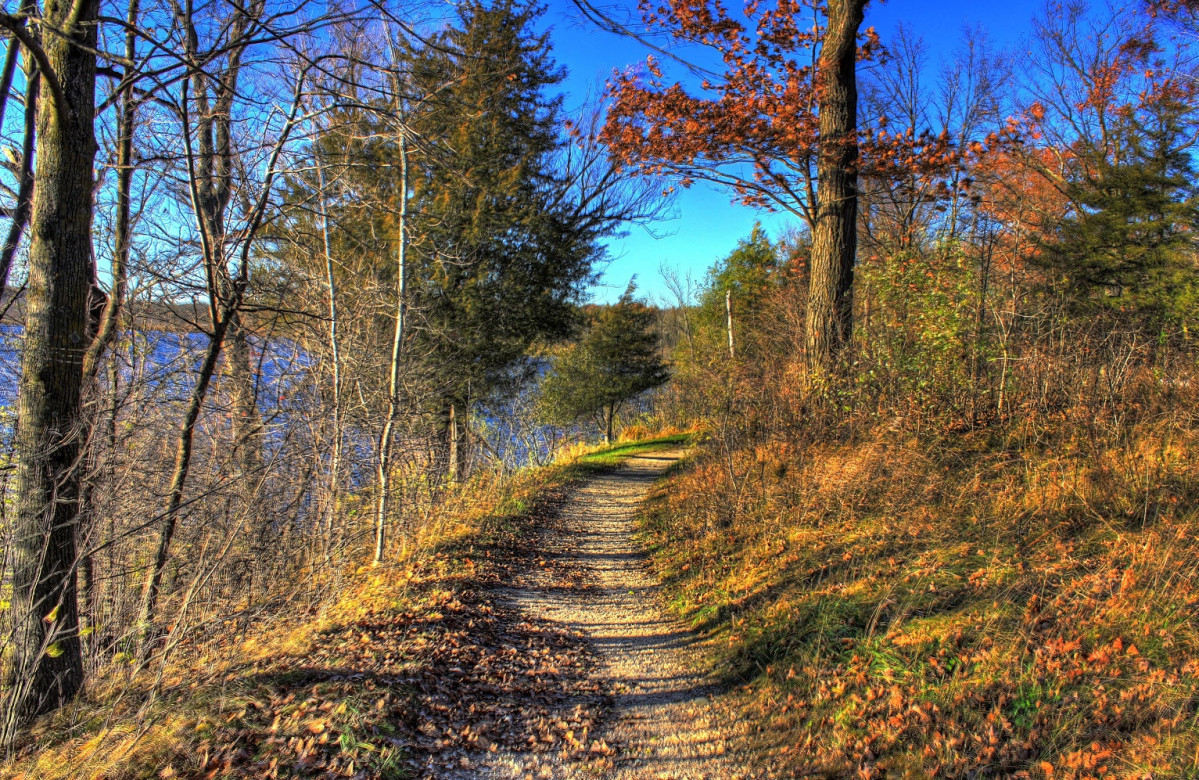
(662, 722)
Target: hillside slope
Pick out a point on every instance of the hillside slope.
(987, 604)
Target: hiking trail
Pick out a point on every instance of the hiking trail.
(663, 721)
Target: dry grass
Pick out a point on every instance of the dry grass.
(1019, 601)
(300, 694)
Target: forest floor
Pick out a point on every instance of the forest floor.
(660, 715)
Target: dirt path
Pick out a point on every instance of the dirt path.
(662, 722)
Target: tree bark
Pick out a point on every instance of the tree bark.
(247, 421)
(47, 663)
(335, 354)
(454, 469)
(834, 237)
(247, 430)
(383, 464)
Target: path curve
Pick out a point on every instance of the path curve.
(662, 722)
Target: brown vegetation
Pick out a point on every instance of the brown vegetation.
(414, 670)
(1014, 599)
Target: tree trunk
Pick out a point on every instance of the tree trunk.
(454, 432)
(47, 663)
(247, 422)
(383, 465)
(88, 468)
(247, 431)
(335, 354)
(834, 237)
(728, 311)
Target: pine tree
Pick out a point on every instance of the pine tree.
(1130, 241)
(503, 260)
(616, 359)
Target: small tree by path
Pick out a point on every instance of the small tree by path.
(617, 358)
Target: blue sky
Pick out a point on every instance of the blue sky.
(708, 225)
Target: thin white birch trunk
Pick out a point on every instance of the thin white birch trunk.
(393, 396)
(335, 349)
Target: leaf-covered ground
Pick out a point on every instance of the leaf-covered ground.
(417, 671)
(414, 691)
(421, 670)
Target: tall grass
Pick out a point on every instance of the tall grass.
(971, 554)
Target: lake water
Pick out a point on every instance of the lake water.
(165, 365)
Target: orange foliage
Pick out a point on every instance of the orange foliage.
(761, 114)
(1025, 191)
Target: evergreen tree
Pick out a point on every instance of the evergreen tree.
(615, 360)
(504, 258)
(1130, 240)
(738, 289)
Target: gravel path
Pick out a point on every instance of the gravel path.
(663, 722)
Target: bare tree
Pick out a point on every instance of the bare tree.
(205, 110)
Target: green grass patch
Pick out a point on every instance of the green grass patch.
(614, 454)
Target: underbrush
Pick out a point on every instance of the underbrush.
(411, 670)
(1008, 602)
